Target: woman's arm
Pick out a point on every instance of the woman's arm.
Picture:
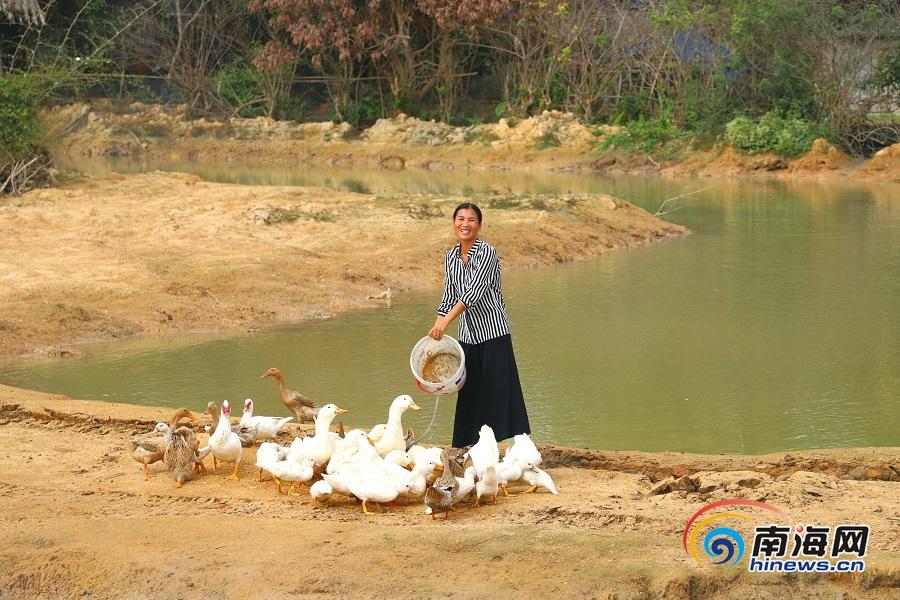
(447, 299)
(443, 321)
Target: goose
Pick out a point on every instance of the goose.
(267, 428)
(302, 407)
(224, 444)
(393, 437)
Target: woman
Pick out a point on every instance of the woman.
(492, 394)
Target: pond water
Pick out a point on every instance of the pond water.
(774, 327)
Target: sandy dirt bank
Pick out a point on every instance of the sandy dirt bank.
(80, 520)
(154, 254)
(552, 141)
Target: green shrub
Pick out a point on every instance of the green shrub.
(19, 126)
(239, 86)
(642, 135)
(783, 135)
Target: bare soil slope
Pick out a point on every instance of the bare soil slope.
(79, 519)
(160, 253)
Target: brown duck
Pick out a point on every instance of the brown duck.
(302, 407)
(151, 448)
(439, 497)
(181, 454)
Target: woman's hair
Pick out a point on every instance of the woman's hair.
(470, 206)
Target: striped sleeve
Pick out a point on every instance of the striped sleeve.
(481, 277)
(447, 299)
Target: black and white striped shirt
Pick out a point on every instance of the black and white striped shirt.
(477, 285)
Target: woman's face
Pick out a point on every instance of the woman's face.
(466, 225)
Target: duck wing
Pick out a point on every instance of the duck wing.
(246, 433)
(298, 399)
(156, 444)
(459, 460)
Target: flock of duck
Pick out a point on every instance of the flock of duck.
(378, 466)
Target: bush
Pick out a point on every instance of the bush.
(239, 86)
(19, 127)
(643, 135)
(783, 135)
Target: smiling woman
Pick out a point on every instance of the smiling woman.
(492, 394)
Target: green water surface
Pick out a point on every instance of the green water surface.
(775, 326)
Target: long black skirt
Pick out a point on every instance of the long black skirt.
(492, 394)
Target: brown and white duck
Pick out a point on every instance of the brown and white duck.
(151, 448)
(302, 407)
(440, 496)
(181, 453)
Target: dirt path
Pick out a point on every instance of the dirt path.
(79, 519)
(161, 253)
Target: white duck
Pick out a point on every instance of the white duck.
(337, 482)
(538, 478)
(345, 454)
(268, 454)
(420, 453)
(418, 478)
(267, 428)
(485, 452)
(373, 487)
(320, 446)
(349, 442)
(293, 472)
(399, 458)
(487, 485)
(509, 471)
(523, 450)
(466, 485)
(224, 444)
(321, 492)
(376, 433)
(393, 437)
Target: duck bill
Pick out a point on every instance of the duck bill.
(341, 411)
(439, 468)
(414, 406)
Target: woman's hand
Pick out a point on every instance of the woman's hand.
(437, 330)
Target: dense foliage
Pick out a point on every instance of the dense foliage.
(19, 133)
(783, 135)
(662, 68)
